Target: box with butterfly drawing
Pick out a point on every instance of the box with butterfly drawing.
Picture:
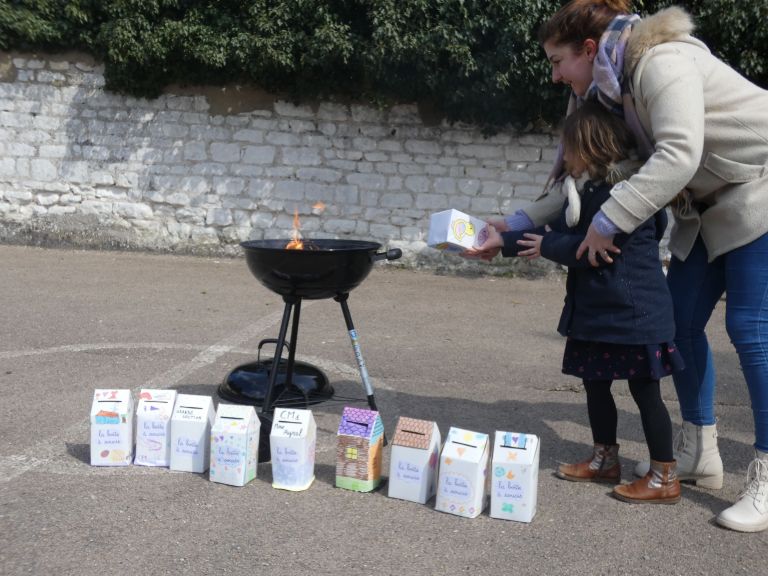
(462, 479)
(514, 476)
(111, 428)
(454, 231)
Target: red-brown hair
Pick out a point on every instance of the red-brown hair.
(581, 20)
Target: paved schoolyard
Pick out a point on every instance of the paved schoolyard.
(479, 353)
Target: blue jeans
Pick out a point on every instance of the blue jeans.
(696, 286)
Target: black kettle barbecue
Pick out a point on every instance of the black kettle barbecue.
(322, 269)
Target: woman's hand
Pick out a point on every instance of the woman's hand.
(533, 244)
(487, 250)
(594, 244)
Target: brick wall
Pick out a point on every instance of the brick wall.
(199, 170)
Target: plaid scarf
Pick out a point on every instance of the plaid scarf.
(609, 88)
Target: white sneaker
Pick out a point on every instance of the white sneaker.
(750, 513)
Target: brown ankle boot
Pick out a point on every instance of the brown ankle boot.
(603, 466)
(659, 486)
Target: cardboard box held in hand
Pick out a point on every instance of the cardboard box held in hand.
(454, 231)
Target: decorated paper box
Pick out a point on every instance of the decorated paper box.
(153, 427)
(455, 231)
(234, 445)
(111, 428)
(413, 460)
(292, 448)
(461, 486)
(191, 433)
(360, 442)
(514, 476)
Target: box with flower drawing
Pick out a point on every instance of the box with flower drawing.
(234, 445)
(454, 231)
(461, 485)
(292, 448)
(111, 428)
(514, 476)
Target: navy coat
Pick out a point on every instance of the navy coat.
(627, 302)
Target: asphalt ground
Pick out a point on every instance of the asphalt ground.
(479, 353)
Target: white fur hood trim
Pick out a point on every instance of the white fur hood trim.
(670, 24)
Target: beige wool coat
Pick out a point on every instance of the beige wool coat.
(709, 126)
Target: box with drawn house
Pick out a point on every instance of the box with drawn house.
(111, 428)
(514, 476)
(462, 479)
(360, 441)
(413, 460)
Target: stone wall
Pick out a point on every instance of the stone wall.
(200, 169)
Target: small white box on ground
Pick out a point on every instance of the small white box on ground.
(191, 433)
(413, 460)
(111, 428)
(461, 487)
(454, 231)
(514, 476)
(234, 445)
(292, 449)
(153, 427)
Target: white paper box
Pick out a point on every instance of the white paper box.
(111, 428)
(514, 476)
(413, 460)
(191, 433)
(292, 448)
(461, 487)
(455, 231)
(153, 427)
(234, 445)
(359, 448)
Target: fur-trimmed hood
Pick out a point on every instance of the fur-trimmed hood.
(670, 24)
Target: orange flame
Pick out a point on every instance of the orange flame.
(318, 208)
(295, 243)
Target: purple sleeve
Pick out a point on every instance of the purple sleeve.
(518, 221)
(603, 225)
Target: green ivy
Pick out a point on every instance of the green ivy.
(475, 61)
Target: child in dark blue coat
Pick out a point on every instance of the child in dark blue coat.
(617, 318)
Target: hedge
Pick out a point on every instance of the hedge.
(475, 61)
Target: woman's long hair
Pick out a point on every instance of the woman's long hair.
(580, 20)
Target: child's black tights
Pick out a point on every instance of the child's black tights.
(653, 413)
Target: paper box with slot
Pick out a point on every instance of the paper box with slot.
(112, 428)
(234, 445)
(292, 448)
(413, 460)
(191, 433)
(514, 476)
(153, 427)
(360, 442)
(461, 486)
(455, 231)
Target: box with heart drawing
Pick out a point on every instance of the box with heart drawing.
(514, 476)
(461, 485)
(153, 427)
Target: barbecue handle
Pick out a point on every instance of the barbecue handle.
(393, 254)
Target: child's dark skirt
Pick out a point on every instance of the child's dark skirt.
(606, 361)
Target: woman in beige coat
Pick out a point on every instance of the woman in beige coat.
(705, 133)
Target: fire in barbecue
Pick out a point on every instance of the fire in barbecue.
(318, 208)
(295, 243)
